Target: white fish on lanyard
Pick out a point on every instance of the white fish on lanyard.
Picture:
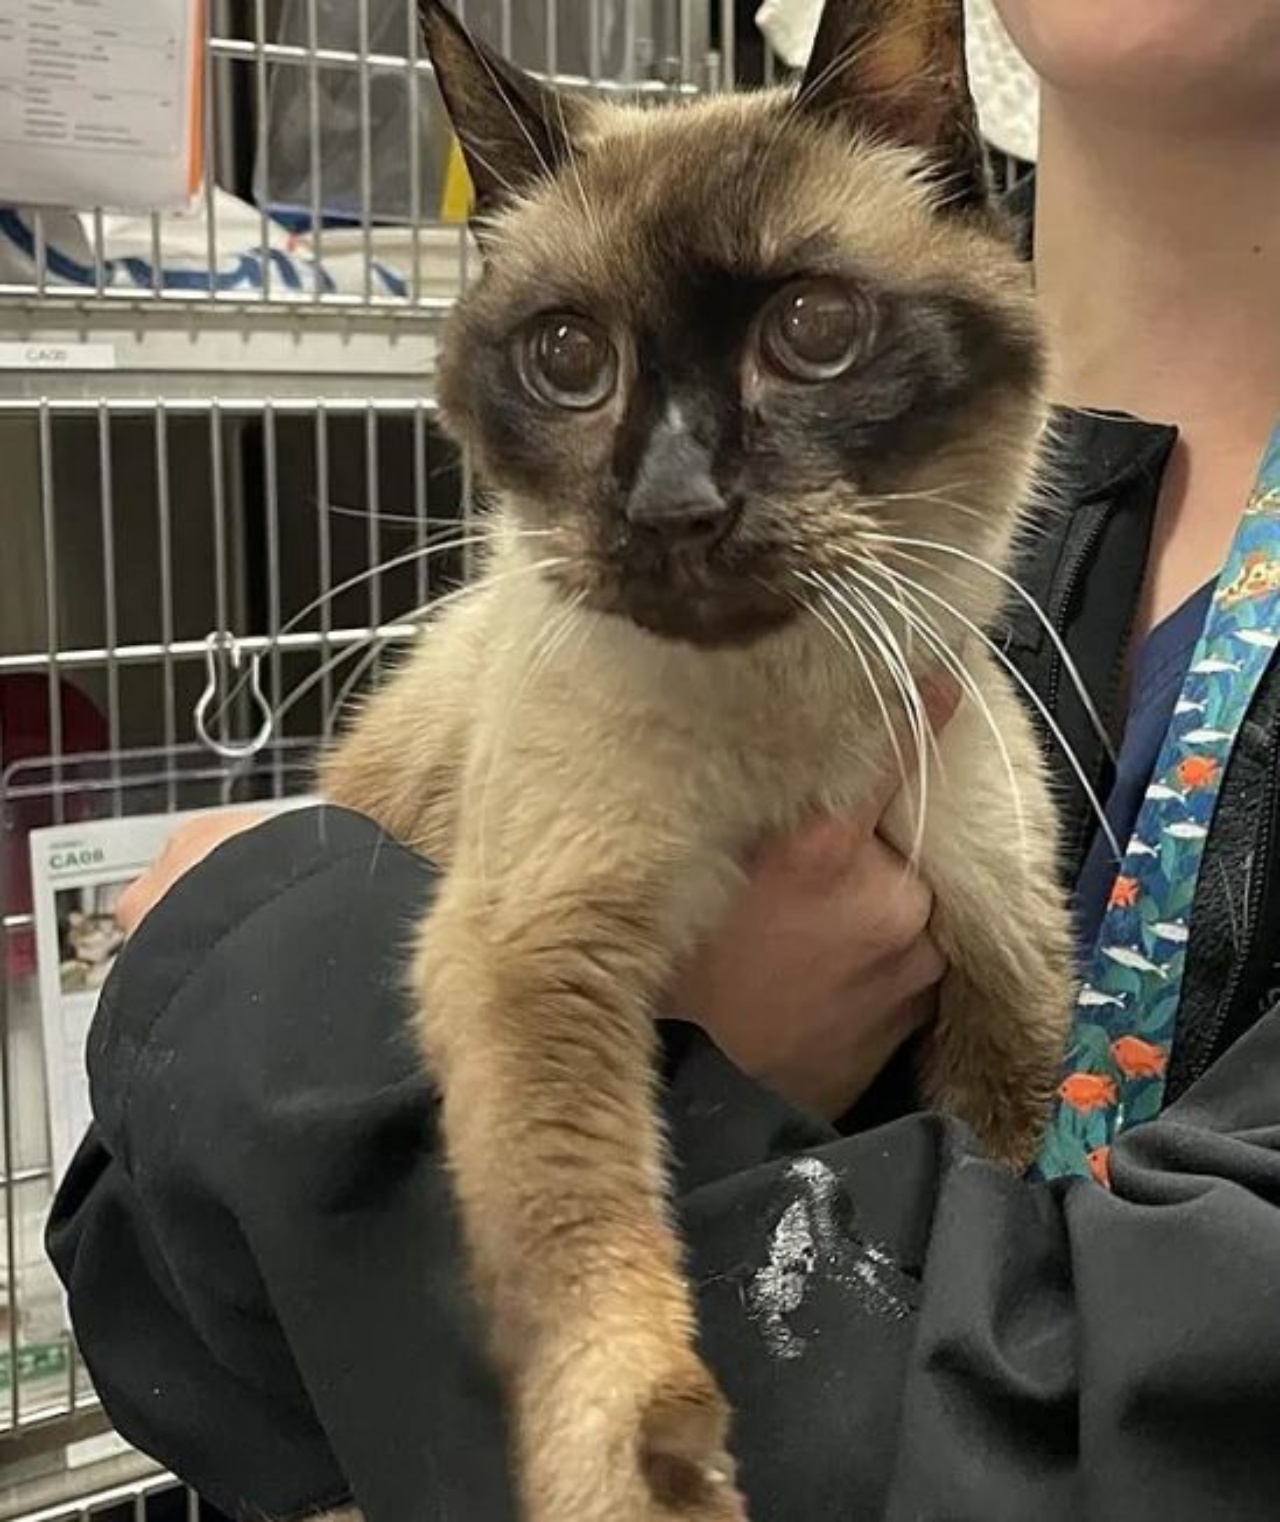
(1205, 736)
(1186, 831)
(1264, 639)
(1094, 998)
(1125, 956)
(1171, 930)
(1214, 667)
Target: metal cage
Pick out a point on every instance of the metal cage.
(224, 451)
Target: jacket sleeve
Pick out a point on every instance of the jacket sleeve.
(262, 1257)
(258, 1246)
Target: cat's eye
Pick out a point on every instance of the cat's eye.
(568, 361)
(814, 330)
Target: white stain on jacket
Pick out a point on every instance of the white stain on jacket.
(815, 1241)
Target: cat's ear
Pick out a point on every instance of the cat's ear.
(895, 70)
(512, 129)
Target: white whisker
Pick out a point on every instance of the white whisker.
(952, 663)
(931, 499)
(575, 168)
(1042, 708)
(904, 681)
(491, 169)
(409, 557)
(846, 639)
(373, 653)
(379, 640)
(405, 520)
(910, 628)
(500, 86)
(1016, 587)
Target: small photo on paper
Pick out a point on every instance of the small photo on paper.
(89, 939)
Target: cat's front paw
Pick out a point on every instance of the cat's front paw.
(614, 1444)
(1014, 1138)
(685, 1463)
(994, 1062)
(1007, 1107)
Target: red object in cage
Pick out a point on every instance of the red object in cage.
(26, 735)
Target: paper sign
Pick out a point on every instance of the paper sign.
(78, 873)
(47, 356)
(101, 103)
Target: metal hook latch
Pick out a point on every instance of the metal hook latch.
(220, 643)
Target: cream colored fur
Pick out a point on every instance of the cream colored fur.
(591, 791)
(593, 795)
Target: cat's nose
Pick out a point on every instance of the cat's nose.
(693, 514)
(674, 497)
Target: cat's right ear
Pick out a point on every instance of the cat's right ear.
(513, 130)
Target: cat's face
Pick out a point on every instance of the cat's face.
(94, 937)
(722, 344)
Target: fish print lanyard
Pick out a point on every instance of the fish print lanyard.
(1127, 1009)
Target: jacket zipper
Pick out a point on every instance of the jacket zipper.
(1070, 585)
(1077, 845)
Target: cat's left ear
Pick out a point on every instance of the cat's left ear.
(895, 70)
(513, 130)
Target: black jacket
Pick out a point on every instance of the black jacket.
(261, 1253)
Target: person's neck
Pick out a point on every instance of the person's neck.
(1158, 266)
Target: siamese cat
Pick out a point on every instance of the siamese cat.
(757, 389)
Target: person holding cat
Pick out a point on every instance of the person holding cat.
(258, 1240)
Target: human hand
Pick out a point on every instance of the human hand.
(189, 844)
(825, 965)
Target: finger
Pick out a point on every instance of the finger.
(133, 903)
(185, 848)
(884, 908)
(940, 694)
(819, 854)
(864, 892)
(922, 967)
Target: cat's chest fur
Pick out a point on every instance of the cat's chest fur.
(526, 726)
(578, 710)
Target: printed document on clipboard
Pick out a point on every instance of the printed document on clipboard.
(101, 103)
(78, 873)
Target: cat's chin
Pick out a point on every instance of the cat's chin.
(681, 599)
(709, 620)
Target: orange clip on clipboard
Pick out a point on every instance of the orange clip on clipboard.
(199, 48)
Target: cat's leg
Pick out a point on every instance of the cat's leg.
(537, 1020)
(1000, 919)
(995, 1054)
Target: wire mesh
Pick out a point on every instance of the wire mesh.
(296, 529)
(155, 1498)
(258, 458)
(327, 154)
